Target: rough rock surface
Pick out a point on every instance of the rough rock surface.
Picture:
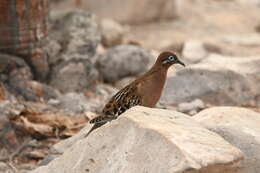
(73, 41)
(8, 140)
(18, 79)
(74, 102)
(75, 32)
(14, 67)
(217, 80)
(91, 100)
(129, 145)
(240, 127)
(33, 90)
(122, 61)
(74, 75)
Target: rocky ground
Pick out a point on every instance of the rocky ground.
(207, 120)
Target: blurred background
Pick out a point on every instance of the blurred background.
(63, 59)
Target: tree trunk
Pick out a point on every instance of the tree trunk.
(23, 27)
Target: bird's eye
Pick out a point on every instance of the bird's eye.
(171, 58)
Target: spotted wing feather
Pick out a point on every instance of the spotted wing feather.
(119, 103)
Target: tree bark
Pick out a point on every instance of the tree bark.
(23, 27)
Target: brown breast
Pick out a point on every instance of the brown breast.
(151, 88)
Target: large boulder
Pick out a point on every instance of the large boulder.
(148, 140)
(76, 32)
(240, 127)
(74, 38)
(218, 80)
(122, 61)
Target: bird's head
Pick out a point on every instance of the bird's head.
(166, 59)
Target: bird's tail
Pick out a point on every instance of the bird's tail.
(96, 125)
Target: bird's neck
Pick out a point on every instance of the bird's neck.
(159, 70)
(153, 81)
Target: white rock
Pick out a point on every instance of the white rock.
(193, 106)
(218, 80)
(148, 140)
(240, 127)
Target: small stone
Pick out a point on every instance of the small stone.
(14, 67)
(53, 49)
(191, 107)
(36, 155)
(112, 33)
(53, 102)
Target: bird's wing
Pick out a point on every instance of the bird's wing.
(119, 103)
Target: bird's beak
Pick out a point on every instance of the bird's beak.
(179, 62)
